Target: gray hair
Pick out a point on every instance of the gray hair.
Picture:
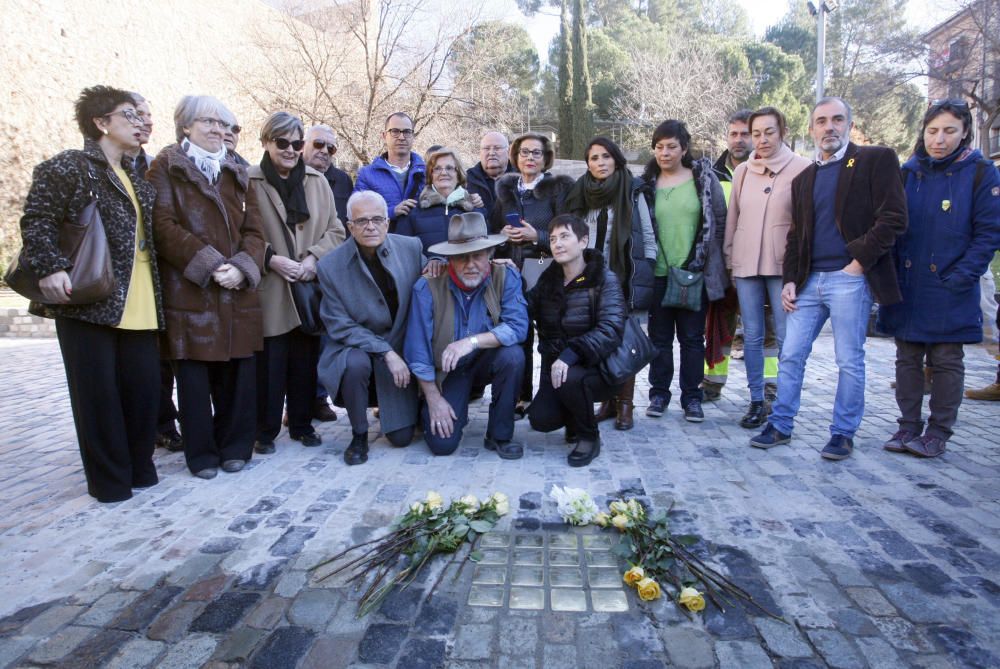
(827, 100)
(365, 196)
(281, 123)
(197, 106)
(322, 127)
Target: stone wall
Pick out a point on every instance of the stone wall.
(51, 49)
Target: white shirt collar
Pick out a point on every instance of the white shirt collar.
(837, 156)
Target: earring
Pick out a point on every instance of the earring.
(105, 131)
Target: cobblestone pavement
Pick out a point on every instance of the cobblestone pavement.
(879, 561)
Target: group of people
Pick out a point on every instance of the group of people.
(429, 281)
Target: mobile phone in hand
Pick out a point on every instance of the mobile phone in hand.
(515, 220)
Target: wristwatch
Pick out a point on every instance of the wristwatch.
(475, 342)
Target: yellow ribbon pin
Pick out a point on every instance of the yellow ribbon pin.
(945, 205)
(850, 162)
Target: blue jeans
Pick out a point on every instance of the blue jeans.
(751, 292)
(846, 300)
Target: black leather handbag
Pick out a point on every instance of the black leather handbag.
(635, 352)
(306, 295)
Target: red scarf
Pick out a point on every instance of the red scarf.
(457, 281)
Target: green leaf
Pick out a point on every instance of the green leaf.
(475, 556)
(481, 526)
(686, 539)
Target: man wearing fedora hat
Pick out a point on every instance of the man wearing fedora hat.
(464, 331)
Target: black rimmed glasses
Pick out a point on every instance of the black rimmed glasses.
(130, 115)
(397, 132)
(237, 129)
(526, 153)
(214, 122)
(373, 221)
(283, 144)
(329, 147)
(958, 103)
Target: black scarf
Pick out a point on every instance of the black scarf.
(291, 190)
(615, 192)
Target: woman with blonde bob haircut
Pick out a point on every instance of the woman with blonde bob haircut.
(757, 223)
(299, 219)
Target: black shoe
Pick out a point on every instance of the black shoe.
(233, 466)
(693, 412)
(838, 448)
(657, 405)
(307, 439)
(508, 450)
(264, 447)
(323, 412)
(521, 410)
(755, 416)
(357, 451)
(711, 392)
(584, 453)
(770, 438)
(170, 440)
(207, 473)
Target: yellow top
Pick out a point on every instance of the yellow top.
(140, 301)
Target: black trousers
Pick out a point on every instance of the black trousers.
(286, 368)
(689, 327)
(570, 405)
(357, 391)
(947, 384)
(166, 421)
(211, 438)
(528, 346)
(113, 378)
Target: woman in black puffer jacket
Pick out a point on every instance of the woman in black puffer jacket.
(579, 313)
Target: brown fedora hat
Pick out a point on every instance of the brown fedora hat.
(467, 233)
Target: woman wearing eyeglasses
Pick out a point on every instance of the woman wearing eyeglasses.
(300, 225)
(525, 204)
(109, 347)
(441, 199)
(207, 229)
(953, 201)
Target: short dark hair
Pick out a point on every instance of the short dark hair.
(576, 225)
(827, 100)
(394, 114)
(548, 152)
(739, 116)
(670, 129)
(95, 102)
(957, 108)
(616, 153)
(770, 111)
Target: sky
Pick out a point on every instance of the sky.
(922, 14)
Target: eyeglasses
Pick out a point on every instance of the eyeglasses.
(396, 132)
(214, 122)
(330, 147)
(130, 115)
(237, 129)
(492, 149)
(443, 169)
(374, 221)
(525, 153)
(283, 144)
(950, 102)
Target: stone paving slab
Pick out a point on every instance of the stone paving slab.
(881, 560)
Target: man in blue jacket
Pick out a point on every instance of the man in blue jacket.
(398, 174)
(465, 330)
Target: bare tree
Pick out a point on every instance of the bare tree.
(689, 84)
(351, 63)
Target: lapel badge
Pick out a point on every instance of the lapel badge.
(996, 191)
(945, 205)
(850, 162)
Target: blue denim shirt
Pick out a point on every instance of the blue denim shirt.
(471, 317)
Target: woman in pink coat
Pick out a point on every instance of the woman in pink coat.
(760, 213)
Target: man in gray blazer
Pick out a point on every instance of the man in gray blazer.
(367, 282)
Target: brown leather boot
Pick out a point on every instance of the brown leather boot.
(624, 406)
(606, 411)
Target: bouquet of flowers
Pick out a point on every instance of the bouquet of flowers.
(575, 505)
(657, 559)
(428, 528)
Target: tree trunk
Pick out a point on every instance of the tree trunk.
(565, 146)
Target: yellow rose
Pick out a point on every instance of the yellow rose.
(618, 506)
(692, 599)
(634, 575)
(434, 500)
(635, 509)
(620, 521)
(470, 501)
(648, 589)
(602, 519)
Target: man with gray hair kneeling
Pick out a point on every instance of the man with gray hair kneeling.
(465, 330)
(367, 283)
